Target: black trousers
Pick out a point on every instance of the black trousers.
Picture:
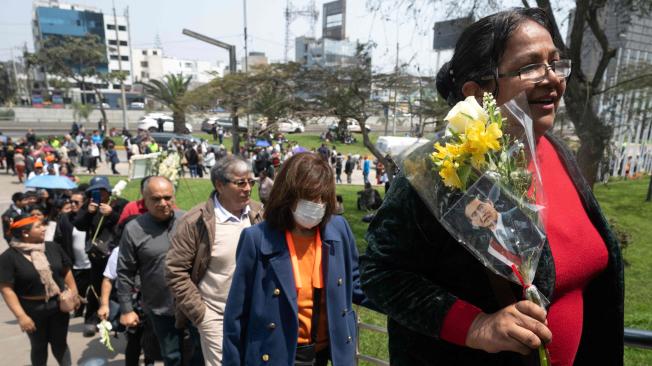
(83, 281)
(51, 328)
(96, 274)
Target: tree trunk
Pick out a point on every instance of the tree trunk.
(649, 191)
(342, 130)
(235, 134)
(179, 118)
(105, 120)
(593, 132)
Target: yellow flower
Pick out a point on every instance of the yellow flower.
(448, 151)
(465, 112)
(478, 161)
(448, 172)
(480, 138)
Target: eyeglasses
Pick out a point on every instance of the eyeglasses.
(77, 203)
(242, 183)
(535, 73)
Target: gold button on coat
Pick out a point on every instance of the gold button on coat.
(339, 281)
(271, 326)
(265, 357)
(277, 292)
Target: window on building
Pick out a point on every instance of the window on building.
(144, 75)
(123, 43)
(145, 52)
(188, 64)
(144, 64)
(113, 42)
(113, 57)
(110, 26)
(122, 28)
(116, 86)
(124, 58)
(154, 53)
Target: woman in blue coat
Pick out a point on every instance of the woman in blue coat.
(296, 277)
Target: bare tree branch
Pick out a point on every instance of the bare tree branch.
(556, 33)
(607, 52)
(525, 3)
(638, 78)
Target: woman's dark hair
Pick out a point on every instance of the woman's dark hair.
(18, 232)
(304, 176)
(480, 49)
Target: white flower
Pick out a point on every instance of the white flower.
(464, 112)
(118, 188)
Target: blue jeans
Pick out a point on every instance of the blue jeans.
(170, 340)
(193, 171)
(365, 176)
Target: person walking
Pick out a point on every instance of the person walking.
(19, 164)
(33, 274)
(112, 157)
(144, 244)
(366, 168)
(296, 276)
(201, 259)
(338, 168)
(348, 168)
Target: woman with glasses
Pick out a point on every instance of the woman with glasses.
(296, 276)
(444, 307)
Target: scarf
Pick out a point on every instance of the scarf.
(35, 252)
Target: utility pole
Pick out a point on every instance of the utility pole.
(125, 124)
(396, 83)
(246, 65)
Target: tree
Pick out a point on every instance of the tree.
(7, 87)
(272, 92)
(76, 58)
(170, 92)
(345, 92)
(81, 111)
(582, 91)
(231, 92)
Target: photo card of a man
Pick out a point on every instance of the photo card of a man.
(493, 227)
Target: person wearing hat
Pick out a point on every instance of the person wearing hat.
(99, 207)
(38, 170)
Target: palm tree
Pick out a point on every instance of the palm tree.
(170, 92)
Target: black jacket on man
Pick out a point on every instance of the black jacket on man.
(414, 271)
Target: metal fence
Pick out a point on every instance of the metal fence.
(636, 338)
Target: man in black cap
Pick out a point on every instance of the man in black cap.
(100, 239)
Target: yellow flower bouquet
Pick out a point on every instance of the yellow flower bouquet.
(481, 182)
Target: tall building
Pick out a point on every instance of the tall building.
(628, 112)
(325, 52)
(51, 18)
(334, 20)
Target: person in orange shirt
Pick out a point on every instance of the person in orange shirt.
(296, 278)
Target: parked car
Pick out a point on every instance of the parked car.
(351, 125)
(137, 105)
(287, 125)
(224, 122)
(162, 138)
(150, 123)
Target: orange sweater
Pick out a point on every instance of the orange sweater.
(305, 249)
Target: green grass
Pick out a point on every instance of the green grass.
(620, 200)
(624, 201)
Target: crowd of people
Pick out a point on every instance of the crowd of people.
(235, 282)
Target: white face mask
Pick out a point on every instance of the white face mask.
(309, 214)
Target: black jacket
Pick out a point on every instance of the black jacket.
(85, 221)
(414, 271)
(63, 234)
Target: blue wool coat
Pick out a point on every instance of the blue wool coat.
(260, 321)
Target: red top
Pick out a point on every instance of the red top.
(132, 208)
(579, 254)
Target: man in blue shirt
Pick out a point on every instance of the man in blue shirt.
(366, 167)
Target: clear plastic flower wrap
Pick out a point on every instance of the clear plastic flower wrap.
(481, 181)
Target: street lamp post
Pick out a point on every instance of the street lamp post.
(232, 69)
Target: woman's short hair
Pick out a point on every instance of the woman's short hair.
(480, 49)
(224, 168)
(303, 176)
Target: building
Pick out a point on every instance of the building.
(255, 59)
(51, 18)
(628, 112)
(325, 52)
(151, 63)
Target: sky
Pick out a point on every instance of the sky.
(224, 20)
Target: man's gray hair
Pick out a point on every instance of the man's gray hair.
(224, 168)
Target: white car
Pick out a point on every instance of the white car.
(351, 125)
(137, 105)
(150, 123)
(289, 126)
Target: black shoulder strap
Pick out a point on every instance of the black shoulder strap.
(316, 308)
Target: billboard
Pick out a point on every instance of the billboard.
(447, 32)
(334, 20)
